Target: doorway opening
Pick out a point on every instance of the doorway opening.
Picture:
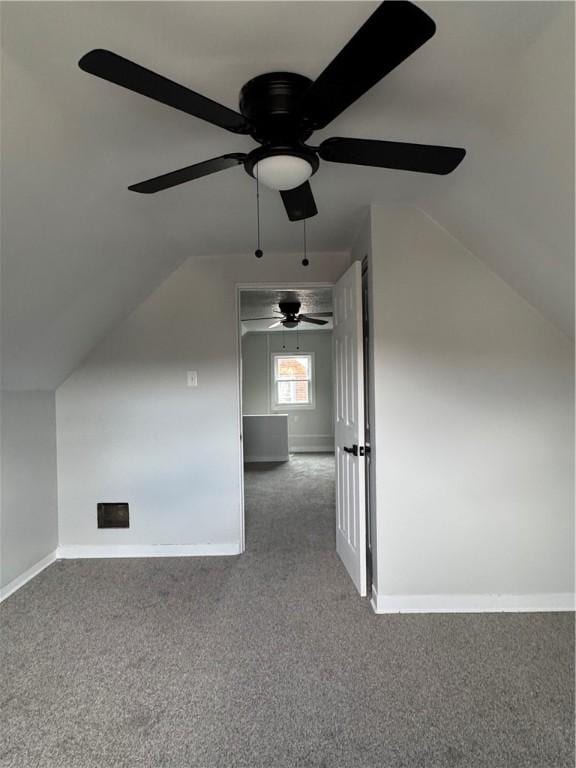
(302, 429)
(287, 411)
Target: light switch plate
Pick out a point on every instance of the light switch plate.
(192, 379)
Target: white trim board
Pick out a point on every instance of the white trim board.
(80, 551)
(311, 443)
(28, 574)
(257, 459)
(535, 603)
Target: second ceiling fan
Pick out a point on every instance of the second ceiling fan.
(291, 316)
(281, 110)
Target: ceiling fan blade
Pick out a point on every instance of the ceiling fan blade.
(251, 319)
(319, 314)
(306, 319)
(299, 202)
(121, 71)
(172, 179)
(275, 325)
(395, 30)
(424, 158)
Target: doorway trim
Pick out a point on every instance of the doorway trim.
(240, 287)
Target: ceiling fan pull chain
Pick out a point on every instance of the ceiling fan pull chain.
(297, 339)
(258, 252)
(305, 261)
(283, 339)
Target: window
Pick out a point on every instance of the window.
(293, 381)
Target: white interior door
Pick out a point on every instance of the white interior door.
(349, 425)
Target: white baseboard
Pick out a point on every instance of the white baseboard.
(79, 552)
(256, 459)
(34, 570)
(535, 603)
(311, 443)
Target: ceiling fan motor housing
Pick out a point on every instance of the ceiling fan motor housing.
(290, 310)
(270, 104)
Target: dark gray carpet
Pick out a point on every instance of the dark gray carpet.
(270, 660)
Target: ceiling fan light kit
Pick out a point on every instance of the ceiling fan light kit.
(281, 110)
(281, 172)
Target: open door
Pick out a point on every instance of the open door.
(349, 425)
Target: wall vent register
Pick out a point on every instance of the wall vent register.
(113, 515)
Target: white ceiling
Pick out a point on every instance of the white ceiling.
(80, 250)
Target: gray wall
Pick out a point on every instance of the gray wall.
(29, 517)
(129, 429)
(265, 437)
(473, 424)
(308, 429)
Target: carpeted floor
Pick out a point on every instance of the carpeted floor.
(270, 660)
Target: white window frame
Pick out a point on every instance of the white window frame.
(311, 386)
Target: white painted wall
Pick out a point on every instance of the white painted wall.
(130, 430)
(473, 426)
(28, 519)
(309, 429)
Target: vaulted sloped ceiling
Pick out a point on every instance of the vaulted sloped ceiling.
(80, 251)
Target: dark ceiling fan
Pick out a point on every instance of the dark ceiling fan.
(281, 110)
(292, 317)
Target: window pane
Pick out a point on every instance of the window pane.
(301, 392)
(289, 368)
(293, 392)
(284, 392)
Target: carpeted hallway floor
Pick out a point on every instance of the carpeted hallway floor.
(270, 660)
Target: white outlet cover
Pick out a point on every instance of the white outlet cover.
(192, 378)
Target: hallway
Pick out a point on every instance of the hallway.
(290, 506)
(271, 660)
